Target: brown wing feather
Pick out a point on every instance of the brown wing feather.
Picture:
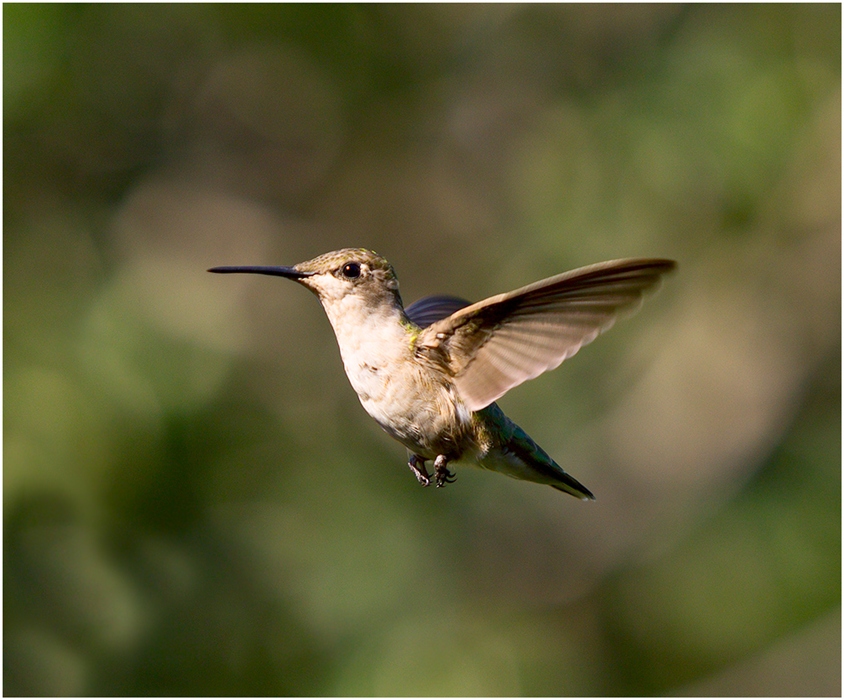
(498, 343)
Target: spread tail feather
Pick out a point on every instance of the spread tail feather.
(518, 456)
(574, 487)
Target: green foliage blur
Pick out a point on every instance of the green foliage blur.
(194, 501)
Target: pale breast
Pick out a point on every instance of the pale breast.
(415, 403)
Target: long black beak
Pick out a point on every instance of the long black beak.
(290, 273)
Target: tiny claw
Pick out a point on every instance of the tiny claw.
(417, 466)
(443, 473)
(445, 476)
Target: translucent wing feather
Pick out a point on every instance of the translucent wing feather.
(496, 344)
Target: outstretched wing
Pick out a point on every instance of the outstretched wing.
(493, 345)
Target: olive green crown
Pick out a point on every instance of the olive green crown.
(338, 258)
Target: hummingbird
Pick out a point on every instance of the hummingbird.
(430, 374)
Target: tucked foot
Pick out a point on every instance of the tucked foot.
(417, 466)
(443, 474)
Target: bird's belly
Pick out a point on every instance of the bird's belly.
(422, 413)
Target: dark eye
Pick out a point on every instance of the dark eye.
(351, 270)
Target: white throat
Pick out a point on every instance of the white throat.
(373, 343)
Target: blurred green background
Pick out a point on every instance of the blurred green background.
(194, 500)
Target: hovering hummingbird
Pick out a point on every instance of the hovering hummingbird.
(430, 374)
